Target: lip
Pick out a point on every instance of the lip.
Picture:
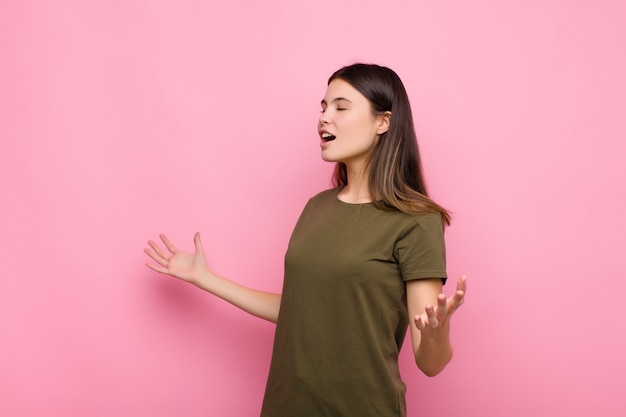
(323, 142)
(322, 131)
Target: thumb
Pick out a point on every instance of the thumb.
(198, 243)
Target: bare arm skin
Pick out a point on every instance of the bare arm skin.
(192, 268)
(429, 317)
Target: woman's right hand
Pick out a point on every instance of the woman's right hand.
(172, 261)
(192, 267)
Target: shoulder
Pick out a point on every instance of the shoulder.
(421, 220)
(322, 201)
(431, 219)
(330, 193)
(427, 225)
(325, 196)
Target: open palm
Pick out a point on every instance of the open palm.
(174, 262)
(437, 318)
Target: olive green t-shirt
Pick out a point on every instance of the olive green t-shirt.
(343, 314)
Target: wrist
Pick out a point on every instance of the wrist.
(202, 277)
(434, 353)
(437, 337)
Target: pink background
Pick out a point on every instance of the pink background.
(120, 120)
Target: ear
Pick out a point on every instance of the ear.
(384, 121)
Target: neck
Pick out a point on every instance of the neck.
(357, 189)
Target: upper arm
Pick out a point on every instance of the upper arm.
(419, 294)
(421, 257)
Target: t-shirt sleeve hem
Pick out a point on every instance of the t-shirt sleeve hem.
(426, 274)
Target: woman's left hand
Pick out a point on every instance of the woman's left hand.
(437, 319)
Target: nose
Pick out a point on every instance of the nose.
(324, 119)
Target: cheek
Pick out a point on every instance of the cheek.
(367, 128)
(360, 127)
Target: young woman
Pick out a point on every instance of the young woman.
(365, 261)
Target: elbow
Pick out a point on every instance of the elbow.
(431, 371)
(433, 365)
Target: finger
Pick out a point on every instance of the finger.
(458, 297)
(419, 322)
(157, 249)
(433, 321)
(442, 306)
(169, 245)
(156, 257)
(456, 300)
(157, 268)
(461, 284)
(198, 243)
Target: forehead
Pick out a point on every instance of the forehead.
(339, 89)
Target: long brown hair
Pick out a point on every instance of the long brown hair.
(396, 181)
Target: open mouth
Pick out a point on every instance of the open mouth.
(327, 137)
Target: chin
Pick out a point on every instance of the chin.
(328, 158)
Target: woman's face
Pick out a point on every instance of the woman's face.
(347, 127)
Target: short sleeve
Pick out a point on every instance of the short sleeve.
(420, 249)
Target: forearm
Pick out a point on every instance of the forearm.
(192, 268)
(261, 304)
(433, 353)
(430, 322)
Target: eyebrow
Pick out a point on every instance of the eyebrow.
(336, 99)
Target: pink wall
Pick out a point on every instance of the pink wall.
(123, 119)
